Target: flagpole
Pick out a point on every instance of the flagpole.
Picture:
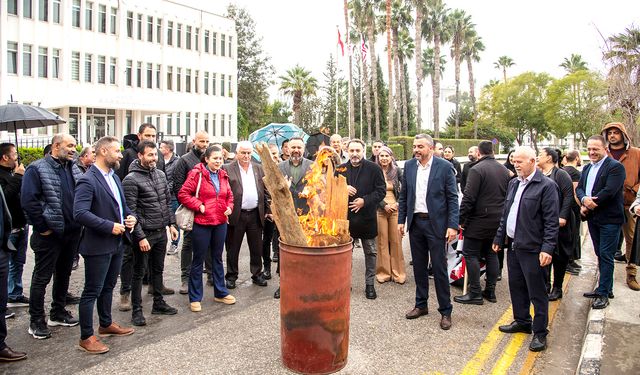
(360, 76)
(337, 80)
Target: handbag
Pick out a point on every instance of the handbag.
(184, 216)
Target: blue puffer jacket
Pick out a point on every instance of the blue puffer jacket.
(42, 195)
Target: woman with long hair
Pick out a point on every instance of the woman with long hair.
(390, 260)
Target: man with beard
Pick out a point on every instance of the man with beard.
(148, 197)
(183, 166)
(438, 149)
(473, 156)
(375, 150)
(294, 171)
(101, 208)
(146, 132)
(251, 206)
(366, 187)
(47, 196)
(620, 149)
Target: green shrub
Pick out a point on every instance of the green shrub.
(398, 150)
(30, 154)
(462, 145)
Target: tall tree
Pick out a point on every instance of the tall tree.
(503, 63)
(400, 20)
(429, 64)
(390, 66)
(436, 31)
(406, 48)
(298, 83)
(361, 23)
(254, 71)
(351, 98)
(461, 30)
(574, 63)
(471, 53)
(421, 8)
(369, 13)
(329, 89)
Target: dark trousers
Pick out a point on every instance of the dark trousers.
(186, 257)
(425, 244)
(558, 266)
(475, 249)
(53, 258)
(248, 223)
(17, 259)
(575, 234)
(605, 244)
(126, 271)
(269, 240)
(4, 270)
(101, 275)
(207, 239)
(174, 207)
(526, 287)
(154, 259)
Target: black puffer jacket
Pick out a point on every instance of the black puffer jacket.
(182, 168)
(130, 144)
(148, 196)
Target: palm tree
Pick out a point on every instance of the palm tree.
(421, 9)
(400, 20)
(435, 29)
(574, 63)
(429, 66)
(390, 66)
(351, 104)
(406, 48)
(461, 30)
(358, 12)
(298, 83)
(372, 30)
(471, 53)
(503, 63)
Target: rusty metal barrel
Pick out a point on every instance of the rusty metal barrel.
(315, 292)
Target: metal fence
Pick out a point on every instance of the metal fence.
(37, 142)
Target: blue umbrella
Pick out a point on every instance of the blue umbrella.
(276, 133)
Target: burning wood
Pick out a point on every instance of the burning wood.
(326, 223)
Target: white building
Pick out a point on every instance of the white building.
(109, 65)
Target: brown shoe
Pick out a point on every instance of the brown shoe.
(445, 322)
(417, 312)
(115, 330)
(9, 355)
(93, 346)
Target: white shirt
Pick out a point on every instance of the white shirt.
(513, 211)
(249, 188)
(591, 177)
(422, 182)
(114, 190)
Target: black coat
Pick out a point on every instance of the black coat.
(483, 199)
(369, 182)
(182, 168)
(607, 192)
(147, 194)
(465, 174)
(11, 185)
(130, 144)
(456, 166)
(565, 197)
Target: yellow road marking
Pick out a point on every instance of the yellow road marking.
(474, 366)
(509, 354)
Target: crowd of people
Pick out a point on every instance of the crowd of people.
(117, 209)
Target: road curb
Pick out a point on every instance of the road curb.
(591, 355)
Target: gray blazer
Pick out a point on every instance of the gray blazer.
(297, 186)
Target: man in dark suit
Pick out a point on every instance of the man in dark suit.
(429, 205)
(250, 209)
(100, 206)
(600, 192)
(529, 228)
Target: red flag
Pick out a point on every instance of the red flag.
(363, 48)
(340, 42)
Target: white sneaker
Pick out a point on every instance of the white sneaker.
(172, 250)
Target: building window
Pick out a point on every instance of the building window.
(169, 78)
(88, 16)
(43, 10)
(74, 115)
(27, 8)
(149, 29)
(179, 79)
(88, 62)
(179, 36)
(222, 44)
(139, 26)
(112, 70)
(102, 18)
(169, 120)
(128, 73)
(75, 66)
(130, 24)
(12, 57)
(222, 125)
(206, 122)
(229, 88)
(75, 13)
(55, 63)
(222, 84)
(139, 74)
(12, 7)
(197, 86)
(170, 33)
(188, 36)
(26, 60)
(206, 41)
(42, 62)
(188, 123)
(187, 83)
(102, 69)
(56, 11)
(214, 46)
(149, 75)
(159, 30)
(229, 123)
(214, 78)
(197, 40)
(206, 83)
(178, 116)
(158, 66)
(114, 20)
(213, 124)
(230, 44)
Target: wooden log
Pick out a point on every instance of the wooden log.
(282, 208)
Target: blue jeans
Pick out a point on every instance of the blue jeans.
(101, 274)
(4, 260)
(174, 207)
(605, 244)
(17, 260)
(203, 238)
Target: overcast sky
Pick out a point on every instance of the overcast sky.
(537, 35)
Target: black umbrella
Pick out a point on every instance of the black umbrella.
(14, 116)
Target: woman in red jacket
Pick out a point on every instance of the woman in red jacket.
(212, 206)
